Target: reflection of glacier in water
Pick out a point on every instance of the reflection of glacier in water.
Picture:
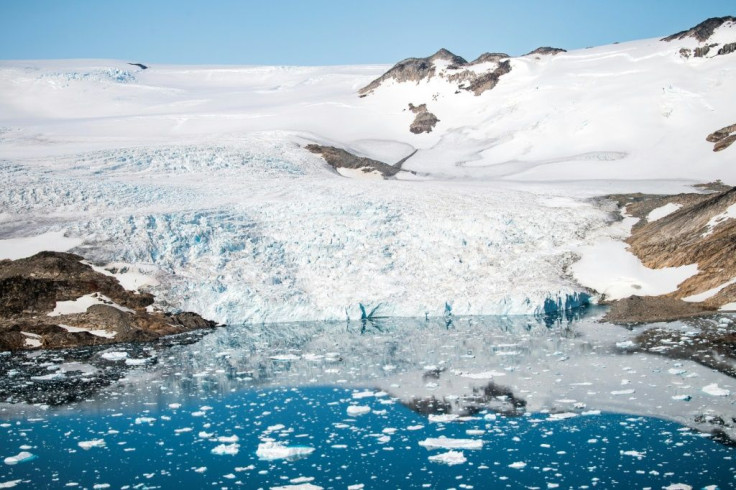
(518, 401)
(360, 353)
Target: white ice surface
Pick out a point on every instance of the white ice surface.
(97, 332)
(710, 293)
(449, 443)
(663, 211)
(450, 458)
(55, 241)
(200, 172)
(611, 269)
(270, 450)
(81, 304)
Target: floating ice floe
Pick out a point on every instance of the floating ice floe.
(518, 465)
(355, 410)
(300, 486)
(226, 449)
(10, 483)
(449, 458)
(714, 390)
(562, 416)
(635, 454)
(228, 439)
(86, 445)
(270, 450)
(114, 355)
(21, 457)
(448, 443)
(481, 375)
(443, 417)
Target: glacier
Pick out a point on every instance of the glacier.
(198, 175)
(261, 231)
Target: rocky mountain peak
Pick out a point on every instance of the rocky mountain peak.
(489, 58)
(546, 50)
(418, 69)
(703, 31)
(445, 55)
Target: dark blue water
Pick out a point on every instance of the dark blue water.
(172, 447)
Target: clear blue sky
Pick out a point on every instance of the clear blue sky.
(328, 32)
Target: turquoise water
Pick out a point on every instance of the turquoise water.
(173, 447)
(193, 414)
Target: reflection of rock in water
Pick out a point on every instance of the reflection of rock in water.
(66, 376)
(241, 357)
(491, 398)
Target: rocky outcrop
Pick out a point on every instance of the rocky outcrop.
(723, 138)
(703, 232)
(702, 51)
(33, 285)
(727, 49)
(488, 80)
(489, 58)
(414, 69)
(424, 121)
(338, 158)
(546, 50)
(651, 309)
(30, 289)
(703, 31)
(448, 66)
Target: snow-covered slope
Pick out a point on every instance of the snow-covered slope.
(201, 171)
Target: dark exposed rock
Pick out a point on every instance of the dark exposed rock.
(685, 52)
(722, 133)
(489, 80)
(489, 58)
(704, 342)
(414, 69)
(26, 379)
(722, 138)
(424, 121)
(139, 65)
(31, 287)
(649, 309)
(35, 284)
(418, 69)
(702, 31)
(724, 143)
(727, 49)
(429, 406)
(546, 50)
(701, 51)
(338, 158)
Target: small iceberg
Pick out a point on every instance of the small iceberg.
(269, 451)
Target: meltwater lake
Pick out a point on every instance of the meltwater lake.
(492, 402)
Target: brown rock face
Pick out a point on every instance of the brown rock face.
(722, 138)
(424, 121)
(489, 80)
(31, 287)
(650, 309)
(727, 49)
(700, 232)
(418, 69)
(339, 158)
